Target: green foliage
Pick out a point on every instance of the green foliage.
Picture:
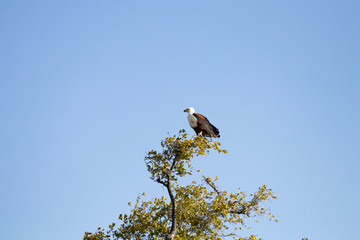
(202, 211)
(182, 150)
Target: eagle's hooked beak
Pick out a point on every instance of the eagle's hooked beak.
(186, 110)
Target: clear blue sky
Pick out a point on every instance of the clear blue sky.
(87, 87)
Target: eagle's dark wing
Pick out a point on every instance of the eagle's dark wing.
(206, 127)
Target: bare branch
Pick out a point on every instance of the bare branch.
(172, 233)
(161, 182)
(212, 185)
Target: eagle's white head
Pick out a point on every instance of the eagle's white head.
(190, 110)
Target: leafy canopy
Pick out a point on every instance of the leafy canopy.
(195, 211)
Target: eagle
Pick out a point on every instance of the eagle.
(201, 124)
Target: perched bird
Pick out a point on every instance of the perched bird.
(201, 125)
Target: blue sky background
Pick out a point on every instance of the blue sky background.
(87, 87)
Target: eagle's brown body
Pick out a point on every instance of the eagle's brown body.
(201, 124)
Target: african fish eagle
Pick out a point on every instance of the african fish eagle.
(201, 124)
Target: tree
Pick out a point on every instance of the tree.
(195, 211)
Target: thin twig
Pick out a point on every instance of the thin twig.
(212, 185)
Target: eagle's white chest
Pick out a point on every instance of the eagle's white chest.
(192, 120)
